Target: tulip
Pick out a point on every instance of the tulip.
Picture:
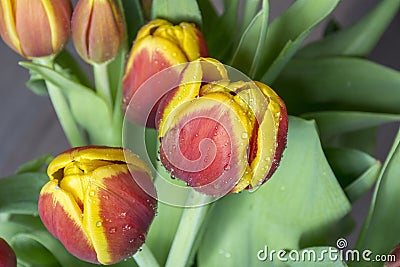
(7, 255)
(98, 203)
(35, 28)
(394, 258)
(159, 45)
(221, 136)
(97, 30)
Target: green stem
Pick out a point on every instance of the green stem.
(65, 116)
(102, 82)
(62, 109)
(192, 218)
(145, 258)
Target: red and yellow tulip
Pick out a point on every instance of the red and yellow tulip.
(99, 203)
(97, 30)
(221, 136)
(7, 255)
(160, 45)
(35, 28)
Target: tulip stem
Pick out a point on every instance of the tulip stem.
(102, 82)
(145, 258)
(191, 221)
(62, 109)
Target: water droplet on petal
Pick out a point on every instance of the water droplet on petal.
(122, 215)
(245, 135)
(92, 193)
(127, 227)
(99, 224)
(112, 230)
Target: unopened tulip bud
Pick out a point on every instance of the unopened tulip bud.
(226, 136)
(99, 203)
(394, 258)
(7, 255)
(160, 45)
(97, 30)
(35, 28)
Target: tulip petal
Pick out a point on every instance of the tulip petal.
(205, 143)
(8, 28)
(117, 223)
(63, 218)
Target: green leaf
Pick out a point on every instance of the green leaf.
(134, 18)
(30, 251)
(35, 165)
(331, 27)
(70, 66)
(177, 11)
(381, 230)
(290, 29)
(357, 40)
(89, 109)
(220, 34)
(19, 193)
(356, 171)
(301, 197)
(334, 123)
(37, 85)
(338, 83)
(162, 231)
(250, 48)
(249, 10)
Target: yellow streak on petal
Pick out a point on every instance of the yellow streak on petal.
(53, 22)
(8, 8)
(92, 220)
(188, 90)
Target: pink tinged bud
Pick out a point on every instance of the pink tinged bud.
(7, 255)
(35, 28)
(97, 203)
(97, 30)
(159, 45)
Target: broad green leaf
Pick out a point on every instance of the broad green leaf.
(89, 109)
(334, 123)
(162, 231)
(177, 11)
(134, 18)
(9, 229)
(319, 257)
(355, 170)
(19, 193)
(248, 52)
(207, 11)
(381, 230)
(301, 197)
(35, 165)
(359, 39)
(30, 251)
(220, 34)
(249, 11)
(289, 29)
(37, 85)
(67, 64)
(338, 83)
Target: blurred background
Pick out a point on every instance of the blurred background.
(29, 127)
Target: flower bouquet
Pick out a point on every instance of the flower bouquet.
(182, 150)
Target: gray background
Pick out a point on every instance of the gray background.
(29, 127)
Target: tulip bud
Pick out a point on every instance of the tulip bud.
(230, 136)
(97, 203)
(160, 45)
(97, 29)
(394, 258)
(35, 28)
(7, 255)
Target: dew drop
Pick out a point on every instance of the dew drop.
(127, 227)
(92, 193)
(122, 215)
(245, 135)
(112, 230)
(227, 167)
(131, 240)
(57, 187)
(99, 224)
(105, 197)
